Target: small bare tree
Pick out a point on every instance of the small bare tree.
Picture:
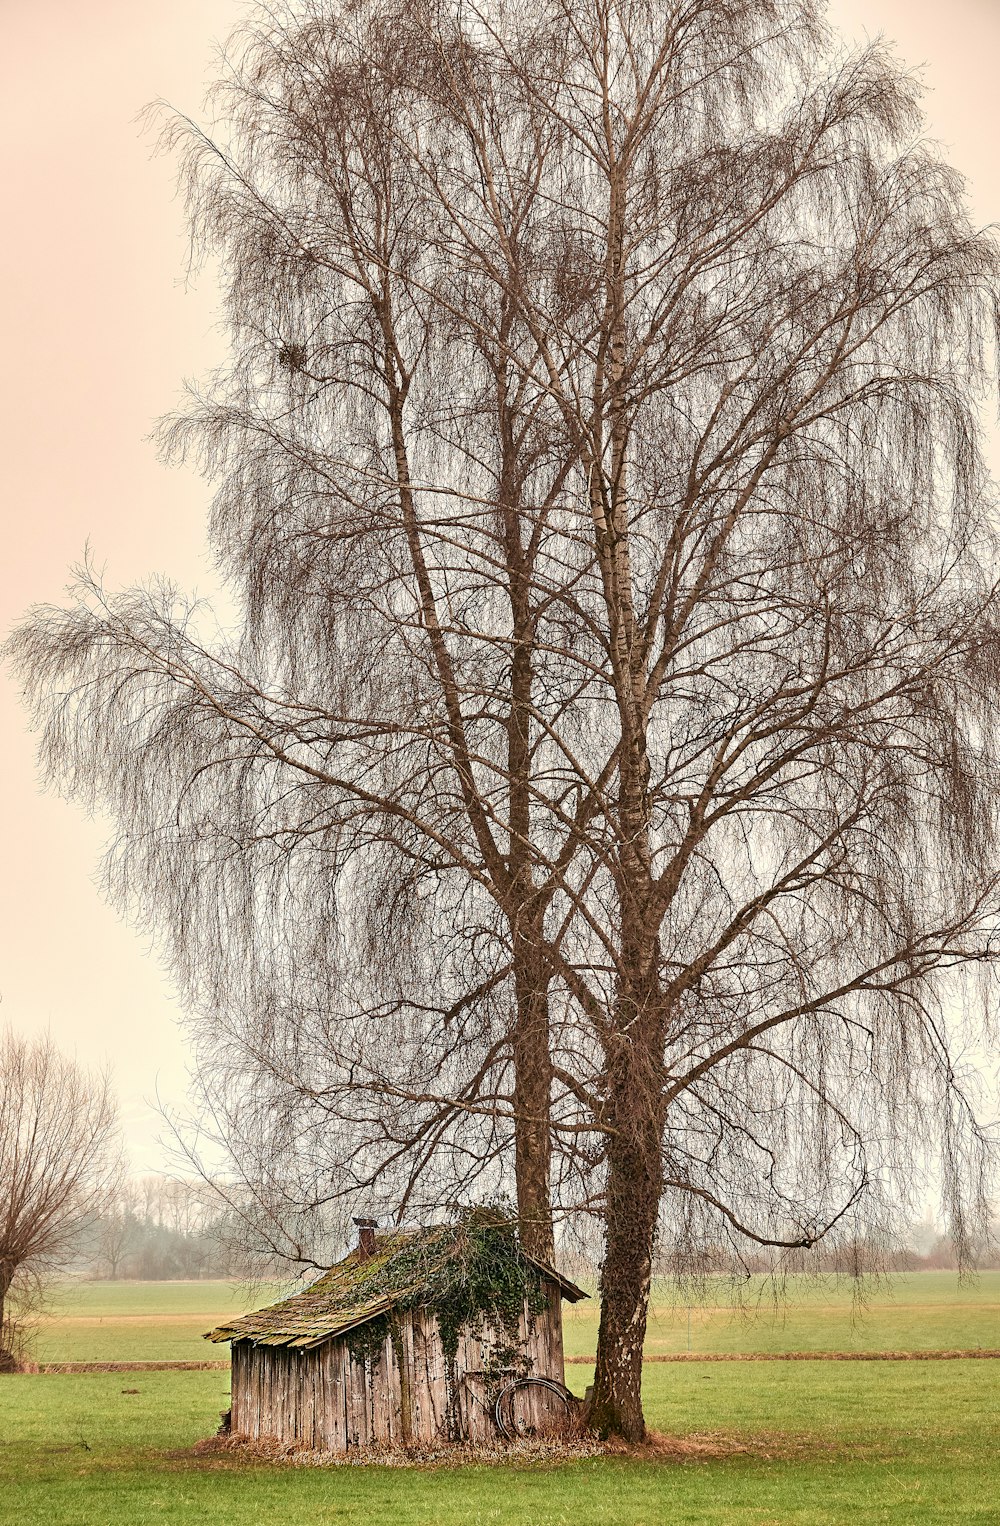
(60, 1165)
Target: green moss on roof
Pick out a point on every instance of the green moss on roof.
(474, 1266)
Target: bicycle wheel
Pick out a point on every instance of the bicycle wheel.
(533, 1407)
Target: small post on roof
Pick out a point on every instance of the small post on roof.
(366, 1236)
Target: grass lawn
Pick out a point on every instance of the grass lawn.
(833, 1442)
(803, 1442)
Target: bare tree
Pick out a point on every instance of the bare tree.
(606, 768)
(59, 1164)
(116, 1228)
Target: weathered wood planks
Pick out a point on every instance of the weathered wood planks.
(406, 1393)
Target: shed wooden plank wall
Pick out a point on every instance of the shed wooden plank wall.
(325, 1399)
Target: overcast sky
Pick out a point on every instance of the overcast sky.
(99, 332)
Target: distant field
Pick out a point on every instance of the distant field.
(927, 1311)
(806, 1443)
(141, 1321)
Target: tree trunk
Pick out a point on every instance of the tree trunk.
(634, 1185)
(533, 1086)
(7, 1363)
(532, 1057)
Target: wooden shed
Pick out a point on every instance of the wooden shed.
(447, 1333)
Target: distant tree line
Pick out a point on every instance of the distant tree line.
(154, 1229)
(922, 1248)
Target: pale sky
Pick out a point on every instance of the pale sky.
(99, 333)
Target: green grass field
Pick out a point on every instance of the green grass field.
(762, 1443)
(132, 1321)
(929, 1311)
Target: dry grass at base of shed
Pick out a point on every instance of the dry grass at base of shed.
(533, 1452)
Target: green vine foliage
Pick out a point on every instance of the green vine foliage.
(470, 1274)
(365, 1341)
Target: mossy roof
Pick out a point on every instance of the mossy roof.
(361, 1287)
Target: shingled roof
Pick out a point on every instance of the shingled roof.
(361, 1287)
